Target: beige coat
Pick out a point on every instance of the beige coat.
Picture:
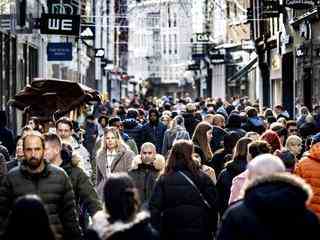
(121, 163)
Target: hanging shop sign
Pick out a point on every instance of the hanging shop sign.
(270, 8)
(68, 7)
(203, 37)
(300, 4)
(59, 51)
(60, 24)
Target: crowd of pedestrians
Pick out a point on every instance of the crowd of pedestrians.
(206, 169)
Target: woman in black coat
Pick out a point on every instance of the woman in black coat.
(274, 207)
(233, 168)
(179, 209)
(122, 219)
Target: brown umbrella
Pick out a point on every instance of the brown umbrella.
(51, 95)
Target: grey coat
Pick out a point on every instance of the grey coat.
(121, 163)
(170, 136)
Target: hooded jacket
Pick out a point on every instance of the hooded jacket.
(274, 207)
(52, 185)
(145, 175)
(309, 169)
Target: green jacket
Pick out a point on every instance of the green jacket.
(83, 188)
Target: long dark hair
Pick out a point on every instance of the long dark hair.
(181, 157)
(121, 197)
(29, 220)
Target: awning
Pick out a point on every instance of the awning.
(246, 69)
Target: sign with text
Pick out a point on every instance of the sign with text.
(203, 37)
(59, 51)
(300, 4)
(60, 24)
(271, 8)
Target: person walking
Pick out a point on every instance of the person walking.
(122, 218)
(308, 168)
(146, 168)
(184, 202)
(273, 207)
(51, 183)
(29, 211)
(175, 132)
(61, 155)
(113, 156)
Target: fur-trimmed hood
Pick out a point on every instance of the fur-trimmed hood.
(159, 162)
(280, 194)
(105, 229)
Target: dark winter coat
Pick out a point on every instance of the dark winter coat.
(12, 164)
(217, 140)
(84, 191)
(177, 209)
(154, 134)
(145, 175)
(224, 182)
(218, 160)
(90, 137)
(134, 129)
(254, 124)
(138, 228)
(6, 138)
(3, 166)
(274, 207)
(53, 187)
(190, 122)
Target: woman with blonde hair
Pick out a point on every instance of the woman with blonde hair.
(113, 156)
(201, 137)
(294, 145)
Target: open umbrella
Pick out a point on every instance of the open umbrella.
(46, 96)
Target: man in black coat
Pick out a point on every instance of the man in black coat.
(153, 130)
(50, 183)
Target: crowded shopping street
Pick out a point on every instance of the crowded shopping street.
(159, 119)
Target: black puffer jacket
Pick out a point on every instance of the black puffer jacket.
(178, 206)
(224, 182)
(274, 207)
(54, 188)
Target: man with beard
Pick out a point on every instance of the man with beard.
(153, 130)
(50, 183)
(146, 168)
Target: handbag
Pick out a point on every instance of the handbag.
(197, 189)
